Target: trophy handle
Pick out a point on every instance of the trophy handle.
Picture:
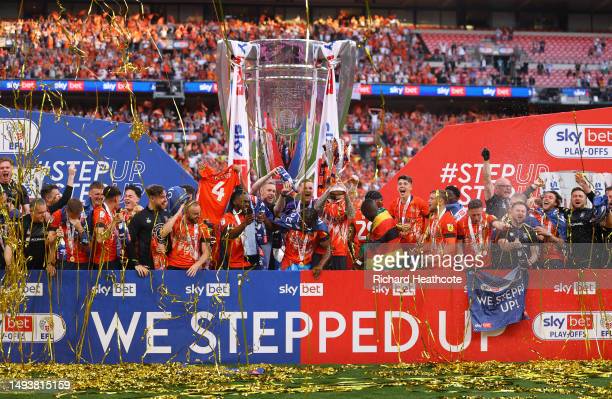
(346, 78)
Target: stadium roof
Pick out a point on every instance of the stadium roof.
(569, 5)
(578, 6)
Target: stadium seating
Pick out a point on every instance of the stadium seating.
(149, 47)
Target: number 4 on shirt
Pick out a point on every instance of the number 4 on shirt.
(219, 190)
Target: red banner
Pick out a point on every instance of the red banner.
(570, 317)
(521, 148)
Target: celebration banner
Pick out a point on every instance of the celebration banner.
(100, 150)
(496, 302)
(521, 149)
(288, 317)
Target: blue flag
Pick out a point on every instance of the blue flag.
(496, 301)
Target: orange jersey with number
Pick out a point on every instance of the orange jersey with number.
(215, 190)
(414, 214)
(362, 228)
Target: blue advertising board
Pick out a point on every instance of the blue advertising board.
(210, 87)
(100, 150)
(109, 317)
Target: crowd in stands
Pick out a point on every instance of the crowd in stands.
(153, 47)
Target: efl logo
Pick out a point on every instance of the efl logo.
(33, 289)
(563, 140)
(124, 289)
(33, 327)
(605, 322)
(76, 85)
(579, 322)
(18, 134)
(18, 324)
(217, 289)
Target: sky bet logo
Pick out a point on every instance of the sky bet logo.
(571, 326)
(589, 141)
(304, 289)
(33, 289)
(117, 289)
(571, 321)
(211, 289)
(206, 87)
(577, 288)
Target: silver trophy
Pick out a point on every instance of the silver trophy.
(285, 85)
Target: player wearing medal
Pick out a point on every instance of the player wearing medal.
(475, 231)
(106, 219)
(441, 233)
(131, 202)
(302, 234)
(518, 241)
(552, 230)
(39, 250)
(304, 198)
(410, 212)
(189, 237)
(336, 210)
(233, 235)
(583, 225)
(145, 251)
(384, 228)
(453, 205)
(51, 194)
(67, 224)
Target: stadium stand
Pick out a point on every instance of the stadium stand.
(151, 47)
